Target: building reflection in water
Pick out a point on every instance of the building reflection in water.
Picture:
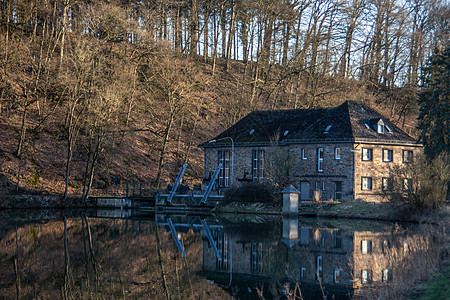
(255, 258)
(318, 261)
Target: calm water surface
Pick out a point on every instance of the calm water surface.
(130, 254)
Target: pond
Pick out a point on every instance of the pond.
(132, 254)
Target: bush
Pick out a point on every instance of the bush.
(421, 184)
(252, 193)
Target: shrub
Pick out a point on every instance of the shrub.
(420, 184)
(253, 192)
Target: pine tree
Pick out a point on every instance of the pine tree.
(434, 105)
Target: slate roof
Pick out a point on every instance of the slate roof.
(350, 122)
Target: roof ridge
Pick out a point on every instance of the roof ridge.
(292, 109)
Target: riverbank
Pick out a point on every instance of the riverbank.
(385, 211)
(39, 201)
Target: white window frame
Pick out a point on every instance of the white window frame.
(387, 184)
(366, 183)
(386, 275)
(366, 246)
(302, 272)
(257, 257)
(258, 157)
(365, 276)
(320, 159)
(337, 153)
(408, 156)
(367, 154)
(407, 184)
(386, 156)
(224, 157)
(337, 275)
(386, 245)
(319, 265)
(304, 154)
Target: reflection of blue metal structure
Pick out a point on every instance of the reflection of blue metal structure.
(176, 184)
(211, 184)
(175, 237)
(210, 238)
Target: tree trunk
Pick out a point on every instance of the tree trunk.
(64, 30)
(223, 22)
(286, 35)
(178, 34)
(231, 34)
(193, 24)
(216, 41)
(244, 38)
(206, 13)
(162, 153)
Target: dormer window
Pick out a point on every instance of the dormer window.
(380, 126)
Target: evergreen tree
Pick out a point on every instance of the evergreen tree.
(434, 104)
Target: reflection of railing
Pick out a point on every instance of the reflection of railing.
(128, 189)
(139, 189)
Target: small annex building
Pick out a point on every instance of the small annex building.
(341, 153)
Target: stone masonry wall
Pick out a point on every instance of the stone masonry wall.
(348, 170)
(376, 168)
(301, 170)
(334, 170)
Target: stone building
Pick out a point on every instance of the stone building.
(341, 153)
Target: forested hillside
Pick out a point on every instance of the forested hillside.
(96, 90)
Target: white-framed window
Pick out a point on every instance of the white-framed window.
(408, 156)
(302, 272)
(380, 128)
(222, 245)
(366, 183)
(257, 257)
(386, 184)
(367, 154)
(320, 185)
(337, 275)
(407, 184)
(386, 276)
(319, 265)
(388, 155)
(366, 246)
(366, 276)
(257, 165)
(304, 154)
(337, 153)
(224, 173)
(386, 245)
(320, 159)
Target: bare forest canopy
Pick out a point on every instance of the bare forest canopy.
(96, 90)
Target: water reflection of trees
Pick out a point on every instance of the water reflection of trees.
(119, 258)
(107, 259)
